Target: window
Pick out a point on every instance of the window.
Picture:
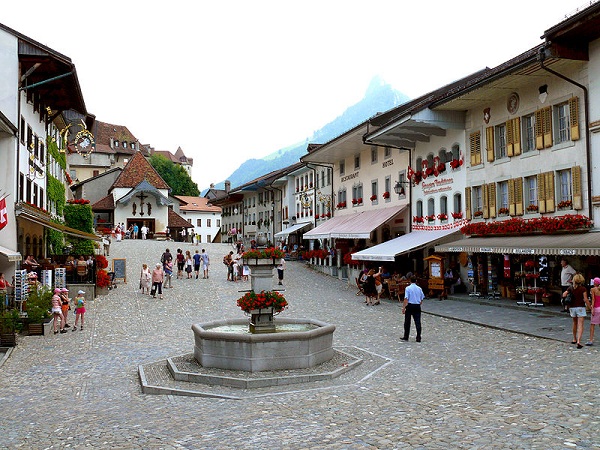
(21, 187)
(373, 154)
(455, 154)
(42, 201)
(124, 144)
(342, 167)
(457, 203)
(357, 192)
(42, 152)
(402, 180)
(198, 222)
(503, 195)
(35, 195)
(419, 208)
(22, 130)
(444, 156)
(531, 196)
(218, 222)
(133, 146)
(29, 138)
(563, 131)
(95, 173)
(528, 133)
(356, 162)
(500, 137)
(28, 194)
(430, 207)
(388, 186)
(419, 164)
(444, 205)
(116, 143)
(208, 238)
(328, 177)
(430, 160)
(564, 186)
(387, 152)
(477, 200)
(374, 189)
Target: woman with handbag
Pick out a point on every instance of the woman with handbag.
(158, 277)
(145, 279)
(577, 306)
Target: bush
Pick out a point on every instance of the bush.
(39, 304)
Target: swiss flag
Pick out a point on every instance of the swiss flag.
(3, 213)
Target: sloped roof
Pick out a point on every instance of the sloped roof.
(145, 188)
(137, 170)
(198, 204)
(176, 221)
(87, 180)
(177, 158)
(104, 132)
(104, 203)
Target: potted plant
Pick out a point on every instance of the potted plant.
(102, 282)
(442, 216)
(532, 207)
(38, 308)
(10, 324)
(503, 211)
(373, 197)
(386, 195)
(478, 213)
(418, 219)
(565, 204)
(457, 215)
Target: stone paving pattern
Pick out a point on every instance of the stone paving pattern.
(464, 386)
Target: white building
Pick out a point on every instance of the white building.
(204, 218)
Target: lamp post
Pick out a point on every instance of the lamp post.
(273, 222)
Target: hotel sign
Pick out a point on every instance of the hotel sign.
(389, 162)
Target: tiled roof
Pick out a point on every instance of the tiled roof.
(104, 132)
(200, 204)
(104, 204)
(137, 170)
(176, 221)
(177, 158)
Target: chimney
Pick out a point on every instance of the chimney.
(227, 186)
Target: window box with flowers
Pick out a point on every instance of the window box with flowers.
(441, 168)
(478, 213)
(455, 164)
(418, 219)
(360, 200)
(354, 201)
(373, 197)
(386, 195)
(532, 208)
(317, 216)
(503, 212)
(565, 204)
(328, 214)
(442, 217)
(431, 218)
(518, 226)
(457, 215)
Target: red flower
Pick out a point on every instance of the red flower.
(386, 195)
(373, 198)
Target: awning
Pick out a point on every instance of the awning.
(58, 227)
(571, 244)
(324, 230)
(387, 251)
(292, 229)
(354, 226)
(12, 255)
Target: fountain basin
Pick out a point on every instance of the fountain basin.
(265, 351)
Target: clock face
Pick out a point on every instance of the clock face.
(512, 104)
(84, 142)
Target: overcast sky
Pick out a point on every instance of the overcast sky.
(232, 80)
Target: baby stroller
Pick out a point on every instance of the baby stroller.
(128, 234)
(112, 284)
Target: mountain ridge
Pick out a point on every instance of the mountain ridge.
(379, 97)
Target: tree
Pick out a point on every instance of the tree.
(175, 176)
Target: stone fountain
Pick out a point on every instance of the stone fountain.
(262, 342)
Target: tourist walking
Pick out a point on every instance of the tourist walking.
(65, 306)
(79, 309)
(145, 279)
(369, 288)
(577, 307)
(168, 269)
(595, 300)
(228, 261)
(566, 279)
(280, 269)
(158, 277)
(205, 263)
(144, 231)
(57, 312)
(166, 256)
(180, 263)
(411, 307)
(136, 229)
(189, 263)
(197, 263)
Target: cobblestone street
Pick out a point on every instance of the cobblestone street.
(464, 386)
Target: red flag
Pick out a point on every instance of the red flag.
(3, 213)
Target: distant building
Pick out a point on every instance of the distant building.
(203, 217)
(177, 158)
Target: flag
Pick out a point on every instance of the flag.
(3, 213)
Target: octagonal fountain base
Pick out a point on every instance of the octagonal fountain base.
(225, 344)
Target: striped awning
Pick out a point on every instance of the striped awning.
(292, 229)
(573, 244)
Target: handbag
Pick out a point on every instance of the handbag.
(569, 298)
(153, 291)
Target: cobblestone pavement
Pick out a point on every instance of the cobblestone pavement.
(464, 386)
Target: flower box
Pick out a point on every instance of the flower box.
(457, 215)
(478, 213)
(386, 195)
(373, 198)
(532, 208)
(442, 216)
(418, 219)
(565, 204)
(503, 211)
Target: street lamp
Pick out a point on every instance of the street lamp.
(399, 188)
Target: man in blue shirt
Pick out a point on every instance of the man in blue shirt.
(197, 263)
(413, 297)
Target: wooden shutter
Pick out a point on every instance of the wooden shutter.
(509, 138)
(492, 199)
(547, 126)
(574, 117)
(576, 187)
(539, 130)
(511, 197)
(489, 142)
(485, 204)
(475, 150)
(518, 196)
(549, 191)
(468, 212)
(541, 192)
(516, 134)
